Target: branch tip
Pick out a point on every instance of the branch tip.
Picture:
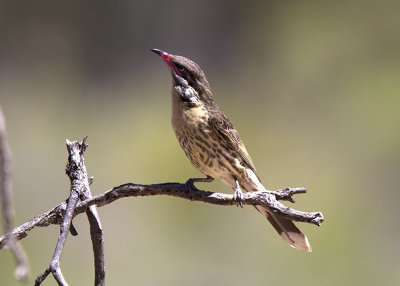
(318, 219)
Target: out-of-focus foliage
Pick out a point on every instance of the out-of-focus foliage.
(312, 86)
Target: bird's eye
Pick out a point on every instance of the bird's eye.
(181, 68)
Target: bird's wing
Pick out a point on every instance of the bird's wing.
(224, 128)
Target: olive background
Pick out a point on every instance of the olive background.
(313, 87)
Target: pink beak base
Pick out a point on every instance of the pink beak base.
(166, 58)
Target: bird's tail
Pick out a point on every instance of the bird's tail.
(287, 230)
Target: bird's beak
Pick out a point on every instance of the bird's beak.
(157, 51)
(166, 58)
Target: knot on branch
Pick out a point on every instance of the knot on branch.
(76, 150)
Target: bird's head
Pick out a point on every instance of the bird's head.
(187, 75)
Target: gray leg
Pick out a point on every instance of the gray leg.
(238, 194)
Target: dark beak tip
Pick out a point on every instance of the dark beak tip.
(156, 51)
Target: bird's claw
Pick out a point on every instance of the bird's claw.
(190, 188)
(237, 196)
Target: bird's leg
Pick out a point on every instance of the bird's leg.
(190, 183)
(238, 194)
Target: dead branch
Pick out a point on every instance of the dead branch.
(22, 270)
(77, 173)
(267, 198)
(66, 211)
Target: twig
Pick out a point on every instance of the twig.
(76, 171)
(96, 231)
(54, 216)
(96, 235)
(22, 270)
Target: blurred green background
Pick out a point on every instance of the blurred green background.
(312, 86)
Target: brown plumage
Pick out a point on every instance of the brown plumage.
(211, 142)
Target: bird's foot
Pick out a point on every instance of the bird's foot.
(238, 194)
(191, 188)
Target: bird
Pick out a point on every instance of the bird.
(212, 144)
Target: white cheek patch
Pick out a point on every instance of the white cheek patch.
(191, 94)
(187, 94)
(255, 180)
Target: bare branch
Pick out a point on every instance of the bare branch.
(22, 269)
(76, 171)
(64, 212)
(267, 198)
(96, 232)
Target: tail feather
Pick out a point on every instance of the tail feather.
(287, 230)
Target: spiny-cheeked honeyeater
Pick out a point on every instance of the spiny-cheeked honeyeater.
(211, 142)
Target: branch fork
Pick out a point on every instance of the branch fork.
(76, 171)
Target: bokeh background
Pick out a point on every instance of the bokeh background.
(312, 86)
